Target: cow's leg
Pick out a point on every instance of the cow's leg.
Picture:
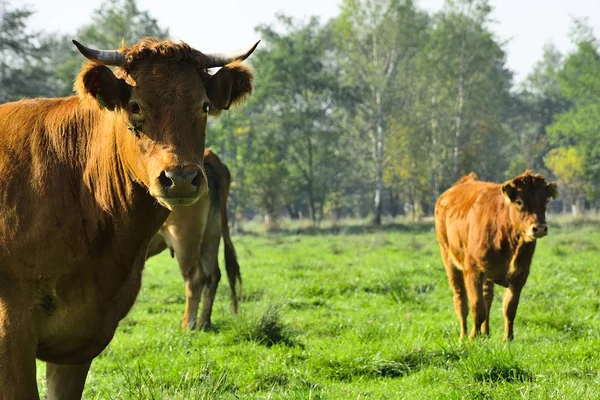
(488, 294)
(65, 382)
(209, 259)
(457, 284)
(512, 295)
(193, 279)
(474, 283)
(18, 344)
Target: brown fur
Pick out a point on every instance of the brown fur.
(487, 235)
(80, 198)
(193, 234)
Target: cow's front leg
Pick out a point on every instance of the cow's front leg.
(512, 294)
(65, 382)
(474, 283)
(18, 344)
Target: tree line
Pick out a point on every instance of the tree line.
(373, 113)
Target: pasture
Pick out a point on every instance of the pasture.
(357, 313)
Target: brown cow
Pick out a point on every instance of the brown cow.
(487, 234)
(86, 182)
(193, 235)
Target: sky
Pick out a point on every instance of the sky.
(227, 25)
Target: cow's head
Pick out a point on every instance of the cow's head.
(528, 195)
(161, 95)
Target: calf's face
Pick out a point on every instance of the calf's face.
(528, 196)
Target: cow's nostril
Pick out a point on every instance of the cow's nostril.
(165, 181)
(535, 229)
(196, 181)
(546, 229)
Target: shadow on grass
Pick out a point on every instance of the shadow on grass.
(349, 368)
(493, 365)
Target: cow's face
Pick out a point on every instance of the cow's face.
(528, 195)
(162, 95)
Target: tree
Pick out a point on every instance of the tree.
(113, 22)
(298, 87)
(534, 108)
(24, 70)
(579, 126)
(469, 89)
(568, 165)
(373, 38)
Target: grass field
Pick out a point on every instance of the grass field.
(360, 314)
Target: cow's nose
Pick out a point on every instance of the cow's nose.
(182, 181)
(540, 230)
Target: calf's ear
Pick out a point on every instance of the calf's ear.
(99, 82)
(229, 86)
(552, 190)
(509, 190)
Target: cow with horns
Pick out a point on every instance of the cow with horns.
(86, 183)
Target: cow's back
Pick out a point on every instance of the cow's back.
(466, 212)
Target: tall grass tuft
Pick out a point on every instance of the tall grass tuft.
(268, 327)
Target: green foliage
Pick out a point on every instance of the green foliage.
(534, 108)
(578, 126)
(113, 22)
(376, 41)
(376, 111)
(24, 68)
(568, 165)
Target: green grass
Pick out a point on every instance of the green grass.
(355, 313)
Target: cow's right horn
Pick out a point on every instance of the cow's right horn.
(220, 59)
(104, 57)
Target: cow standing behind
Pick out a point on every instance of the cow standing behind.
(193, 235)
(85, 183)
(487, 234)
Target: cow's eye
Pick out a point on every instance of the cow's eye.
(134, 108)
(205, 107)
(519, 203)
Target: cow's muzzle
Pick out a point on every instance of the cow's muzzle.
(538, 231)
(181, 185)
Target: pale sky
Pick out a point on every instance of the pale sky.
(211, 26)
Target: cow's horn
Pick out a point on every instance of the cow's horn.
(220, 59)
(104, 57)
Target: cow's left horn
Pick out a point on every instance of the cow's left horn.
(104, 57)
(220, 59)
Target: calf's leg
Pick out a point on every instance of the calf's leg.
(193, 278)
(457, 284)
(209, 259)
(474, 284)
(488, 294)
(512, 294)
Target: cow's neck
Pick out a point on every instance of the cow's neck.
(118, 199)
(512, 231)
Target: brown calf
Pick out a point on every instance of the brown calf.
(487, 234)
(193, 235)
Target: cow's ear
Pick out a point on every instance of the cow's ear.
(509, 190)
(552, 191)
(100, 83)
(229, 86)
